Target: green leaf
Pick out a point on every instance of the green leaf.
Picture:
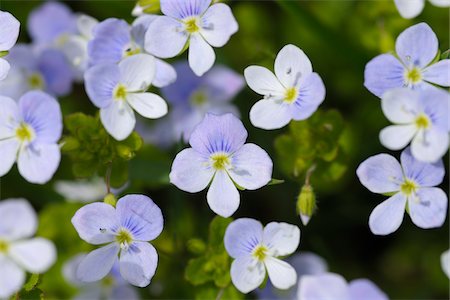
(274, 181)
(32, 282)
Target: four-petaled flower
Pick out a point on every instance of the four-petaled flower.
(118, 89)
(18, 222)
(193, 24)
(409, 9)
(220, 157)
(420, 117)
(29, 133)
(256, 249)
(9, 32)
(413, 187)
(413, 67)
(126, 230)
(294, 92)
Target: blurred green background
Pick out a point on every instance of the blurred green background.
(339, 37)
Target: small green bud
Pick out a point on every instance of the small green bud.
(147, 6)
(124, 152)
(70, 144)
(110, 199)
(3, 53)
(306, 203)
(196, 246)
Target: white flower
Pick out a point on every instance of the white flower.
(9, 32)
(409, 9)
(445, 262)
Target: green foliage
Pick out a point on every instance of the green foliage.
(93, 151)
(149, 6)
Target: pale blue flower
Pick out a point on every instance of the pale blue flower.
(412, 185)
(29, 133)
(220, 158)
(18, 251)
(409, 9)
(113, 40)
(9, 32)
(194, 24)
(412, 66)
(334, 286)
(294, 92)
(118, 89)
(256, 249)
(126, 231)
(420, 117)
(445, 263)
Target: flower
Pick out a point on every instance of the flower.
(294, 92)
(126, 231)
(18, 222)
(409, 9)
(114, 40)
(9, 32)
(220, 157)
(118, 89)
(334, 286)
(412, 185)
(29, 132)
(412, 67)
(445, 262)
(192, 24)
(420, 117)
(191, 98)
(113, 286)
(255, 249)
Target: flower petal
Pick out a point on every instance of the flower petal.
(328, 286)
(118, 119)
(98, 263)
(281, 274)
(8, 152)
(180, 9)
(409, 9)
(365, 289)
(311, 95)
(441, 3)
(36, 255)
(57, 72)
(417, 45)
(148, 105)
(95, 223)
(281, 238)
(270, 114)
(165, 37)
(292, 65)
(137, 72)
(221, 25)
(425, 174)
(429, 209)
(201, 55)
(247, 274)
(401, 105)
(165, 74)
(388, 216)
(430, 145)
(383, 73)
(37, 163)
(138, 264)
(86, 25)
(11, 277)
(445, 262)
(380, 174)
(9, 30)
(438, 73)
(100, 82)
(141, 216)
(242, 236)
(222, 83)
(263, 81)
(397, 137)
(223, 196)
(18, 219)
(190, 171)
(4, 68)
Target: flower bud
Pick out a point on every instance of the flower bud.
(306, 203)
(110, 199)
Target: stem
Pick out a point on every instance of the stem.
(108, 178)
(220, 294)
(309, 173)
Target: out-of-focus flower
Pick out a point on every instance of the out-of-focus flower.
(29, 133)
(126, 231)
(412, 185)
(146, 7)
(9, 32)
(114, 40)
(118, 89)
(36, 69)
(112, 287)
(412, 66)
(220, 158)
(334, 286)
(409, 9)
(445, 263)
(420, 117)
(256, 249)
(191, 24)
(18, 222)
(294, 92)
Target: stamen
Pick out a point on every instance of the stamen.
(260, 252)
(120, 92)
(25, 133)
(220, 161)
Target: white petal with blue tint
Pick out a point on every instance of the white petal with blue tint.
(365, 289)
(11, 277)
(100, 82)
(281, 274)
(165, 74)
(401, 105)
(38, 162)
(430, 145)
(9, 30)
(311, 95)
(36, 255)
(292, 65)
(86, 25)
(383, 73)
(409, 9)
(247, 274)
(388, 216)
(4, 68)
(263, 81)
(165, 37)
(242, 236)
(397, 137)
(223, 196)
(445, 262)
(17, 219)
(220, 25)
(328, 286)
(8, 152)
(138, 263)
(118, 119)
(180, 9)
(270, 114)
(440, 3)
(148, 105)
(9, 117)
(98, 263)
(438, 73)
(281, 238)
(201, 55)
(137, 72)
(429, 208)
(424, 174)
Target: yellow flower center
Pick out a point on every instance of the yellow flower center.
(408, 187)
(130, 51)
(108, 281)
(24, 132)
(124, 237)
(198, 98)
(413, 76)
(290, 95)
(120, 92)
(36, 81)
(220, 161)
(4, 246)
(260, 253)
(423, 121)
(191, 25)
